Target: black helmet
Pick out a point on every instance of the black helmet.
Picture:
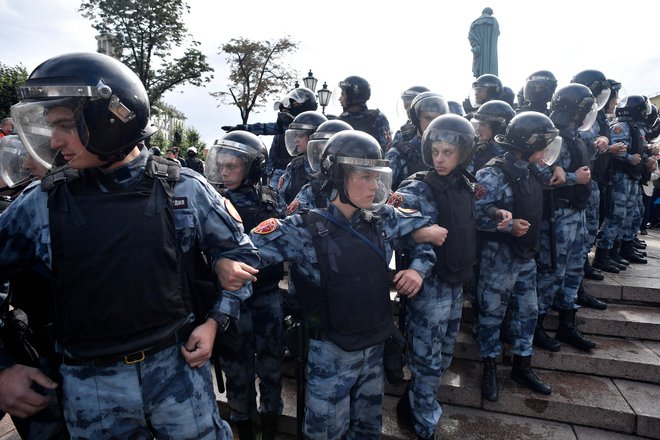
(301, 99)
(456, 108)
(529, 132)
(319, 138)
(108, 101)
(349, 151)
(192, 152)
(652, 117)
(356, 89)
(497, 113)
(573, 106)
(155, 151)
(597, 83)
(451, 129)
(539, 86)
(304, 124)
(245, 146)
(409, 94)
(426, 102)
(489, 83)
(633, 108)
(508, 95)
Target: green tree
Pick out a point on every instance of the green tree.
(145, 33)
(192, 138)
(176, 138)
(159, 140)
(11, 77)
(256, 71)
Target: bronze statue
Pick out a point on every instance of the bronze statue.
(483, 39)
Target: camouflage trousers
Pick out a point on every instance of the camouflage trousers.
(161, 397)
(344, 392)
(619, 213)
(509, 282)
(592, 214)
(559, 287)
(636, 213)
(260, 330)
(432, 323)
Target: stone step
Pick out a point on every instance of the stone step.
(619, 320)
(614, 357)
(614, 405)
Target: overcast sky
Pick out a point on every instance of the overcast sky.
(412, 42)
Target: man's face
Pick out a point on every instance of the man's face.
(445, 157)
(425, 118)
(233, 171)
(8, 127)
(66, 141)
(361, 187)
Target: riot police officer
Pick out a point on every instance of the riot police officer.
(339, 262)
(355, 92)
(485, 88)
(509, 246)
(235, 165)
(537, 92)
(407, 130)
(489, 120)
(445, 194)
(406, 156)
(120, 302)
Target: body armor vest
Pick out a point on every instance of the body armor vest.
(576, 195)
(414, 163)
(457, 256)
(527, 204)
(299, 178)
(352, 305)
(634, 171)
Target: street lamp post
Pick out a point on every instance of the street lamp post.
(324, 96)
(310, 81)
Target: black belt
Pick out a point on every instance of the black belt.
(127, 359)
(563, 203)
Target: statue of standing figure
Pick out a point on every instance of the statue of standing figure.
(483, 39)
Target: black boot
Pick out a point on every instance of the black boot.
(639, 244)
(585, 299)
(269, 426)
(523, 374)
(628, 252)
(616, 257)
(569, 333)
(244, 428)
(591, 272)
(541, 338)
(404, 412)
(602, 261)
(489, 380)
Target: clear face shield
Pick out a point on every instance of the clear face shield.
(43, 125)
(296, 139)
(602, 98)
(13, 156)
(228, 163)
(314, 149)
(589, 118)
(367, 182)
(478, 96)
(551, 152)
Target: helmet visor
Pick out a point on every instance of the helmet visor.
(602, 98)
(367, 186)
(41, 124)
(589, 118)
(551, 152)
(314, 150)
(228, 165)
(296, 140)
(13, 156)
(463, 142)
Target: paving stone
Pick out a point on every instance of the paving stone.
(643, 398)
(585, 433)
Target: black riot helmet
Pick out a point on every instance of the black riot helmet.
(573, 106)
(539, 86)
(300, 99)
(245, 146)
(634, 108)
(497, 113)
(350, 152)
(304, 124)
(106, 99)
(426, 102)
(597, 83)
(320, 137)
(529, 132)
(652, 117)
(356, 89)
(451, 129)
(485, 88)
(508, 95)
(409, 94)
(456, 108)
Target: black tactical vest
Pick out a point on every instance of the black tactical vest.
(352, 306)
(457, 256)
(527, 204)
(112, 249)
(414, 162)
(635, 147)
(299, 178)
(575, 195)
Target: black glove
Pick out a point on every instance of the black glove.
(230, 128)
(228, 341)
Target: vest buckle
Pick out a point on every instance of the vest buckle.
(134, 358)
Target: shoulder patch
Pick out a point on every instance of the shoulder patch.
(395, 200)
(406, 210)
(479, 191)
(179, 202)
(232, 211)
(266, 227)
(293, 207)
(617, 129)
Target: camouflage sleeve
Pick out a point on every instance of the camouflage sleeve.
(268, 129)
(283, 240)
(491, 194)
(395, 162)
(621, 133)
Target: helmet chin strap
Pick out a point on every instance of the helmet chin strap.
(343, 197)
